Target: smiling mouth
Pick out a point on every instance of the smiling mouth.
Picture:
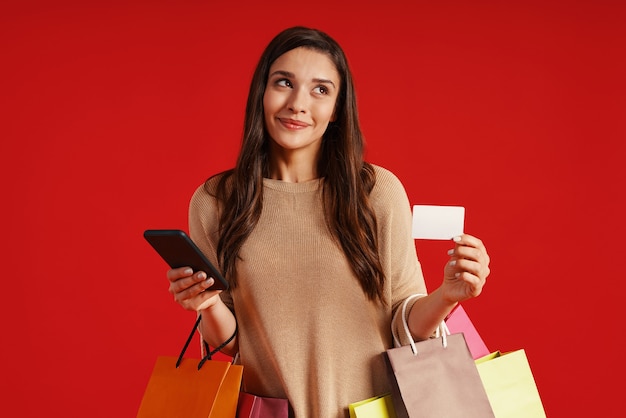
(293, 124)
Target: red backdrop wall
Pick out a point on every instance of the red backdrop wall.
(113, 112)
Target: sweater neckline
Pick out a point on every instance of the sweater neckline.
(284, 186)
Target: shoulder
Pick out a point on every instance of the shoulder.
(206, 194)
(209, 189)
(388, 196)
(385, 177)
(205, 210)
(387, 185)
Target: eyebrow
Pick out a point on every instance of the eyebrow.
(292, 75)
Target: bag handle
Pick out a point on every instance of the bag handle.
(442, 330)
(209, 354)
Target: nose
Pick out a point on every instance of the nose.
(297, 101)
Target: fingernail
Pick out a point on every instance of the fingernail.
(456, 239)
(202, 275)
(450, 252)
(188, 271)
(457, 275)
(453, 263)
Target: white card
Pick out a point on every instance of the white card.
(437, 222)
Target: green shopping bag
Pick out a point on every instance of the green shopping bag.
(510, 385)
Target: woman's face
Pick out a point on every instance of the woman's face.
(299, 100)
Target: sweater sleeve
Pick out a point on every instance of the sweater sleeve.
(203, 229)
(398, 254)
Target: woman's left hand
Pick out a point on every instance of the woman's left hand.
(467, 270)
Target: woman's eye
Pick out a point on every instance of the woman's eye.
(321, 90)
(283, 82)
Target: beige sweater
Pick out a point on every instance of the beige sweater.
(307, 332)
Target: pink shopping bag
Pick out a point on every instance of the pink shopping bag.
(458, 321)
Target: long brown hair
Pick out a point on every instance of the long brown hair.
(348, 179)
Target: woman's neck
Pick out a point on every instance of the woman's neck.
(293, 169)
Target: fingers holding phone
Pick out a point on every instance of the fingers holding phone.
(190, 289)
(194, 291)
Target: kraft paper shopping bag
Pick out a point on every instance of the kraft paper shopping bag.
(435, 378)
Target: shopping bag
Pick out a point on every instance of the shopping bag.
(187, 392)
(191, 388)
(510, 385)
(252, 406)
(435, 378)
(376, 407)
(459, 321)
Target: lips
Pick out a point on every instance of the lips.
(292, 123)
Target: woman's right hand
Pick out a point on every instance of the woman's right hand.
(188, 288)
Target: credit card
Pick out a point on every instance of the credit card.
(438, 222)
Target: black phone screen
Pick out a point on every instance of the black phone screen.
(178, 250)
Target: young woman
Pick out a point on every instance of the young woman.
(315, 242)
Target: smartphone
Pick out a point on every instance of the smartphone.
(178, 250)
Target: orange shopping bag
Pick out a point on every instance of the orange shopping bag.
(188, 388)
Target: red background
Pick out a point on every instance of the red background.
(113, 112)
